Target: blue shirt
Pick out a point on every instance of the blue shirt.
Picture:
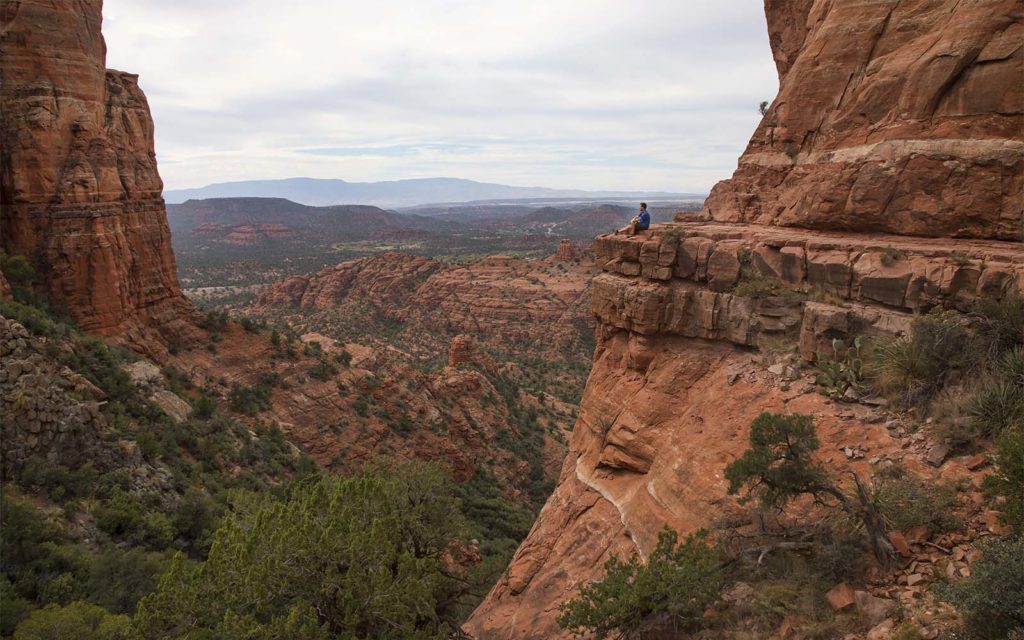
(645, 220)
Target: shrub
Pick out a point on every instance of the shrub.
(679, 580)
(369, 554)
(914, 368)
(78, 620)
(890, 255)
(1000, 323)
(120, 578)
(997, 406)
(121, 516)
(322, 370)
(204, 407)
(249, 400)
(778, 467)
(1012, 366)
(911, 502)
(13, 608)
(1007, 480)
(907, 631)
(214, 321)
(344, 358)
(992, 601)
(18, 270)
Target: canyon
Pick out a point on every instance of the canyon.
(885, 181)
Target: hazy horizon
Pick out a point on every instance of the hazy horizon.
(563, 94)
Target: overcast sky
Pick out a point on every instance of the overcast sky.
(591, 94)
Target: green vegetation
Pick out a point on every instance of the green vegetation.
(914, 368)
(967, 372)
(908, 501)
(778, 468)
(250, 400)
(890, 255)
(673, 589)
(78, 620)
(361, 557)
(1007, 481)
(843, 370)
(992, 601)
(754, 284)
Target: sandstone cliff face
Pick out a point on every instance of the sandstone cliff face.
(895, 116)
(678, 377)
(79, 188)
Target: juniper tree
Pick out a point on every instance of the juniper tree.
(778, 467)
(679, 581)
(364, 557)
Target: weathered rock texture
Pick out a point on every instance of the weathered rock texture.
(566, 251)
(499, 300)
(39, 413)
(79, 190)
(675, 383)
(900, 116)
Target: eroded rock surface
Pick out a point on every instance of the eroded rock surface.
(892, 116)
(80, 194)
(901, 118)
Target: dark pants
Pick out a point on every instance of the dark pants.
(636, 226)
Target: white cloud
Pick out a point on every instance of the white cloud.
(616, 94)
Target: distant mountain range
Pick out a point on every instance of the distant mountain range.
(395, 193)
(259, 221)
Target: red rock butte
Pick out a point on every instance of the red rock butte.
(892, 116)
(79, 190)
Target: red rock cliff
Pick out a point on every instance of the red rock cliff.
(79, 189)
(900, 116)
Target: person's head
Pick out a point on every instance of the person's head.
(643, 206)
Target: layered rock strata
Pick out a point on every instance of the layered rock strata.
(892, 116)
(895, 117)
(497, 299)
(678, 377)
(683, 278)
(79, 190)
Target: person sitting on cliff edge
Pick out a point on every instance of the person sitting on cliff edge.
(640, 222)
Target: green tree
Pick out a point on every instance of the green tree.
(778, 467)
(992, 601)
(368, 554)
(78, 620)
(678, 580)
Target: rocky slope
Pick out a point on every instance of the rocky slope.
(902, 118)
(345, 404)
(910, 122)
(533, 306)
(680, 372)
(79, 188)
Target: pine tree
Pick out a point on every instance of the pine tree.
(778, 468)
